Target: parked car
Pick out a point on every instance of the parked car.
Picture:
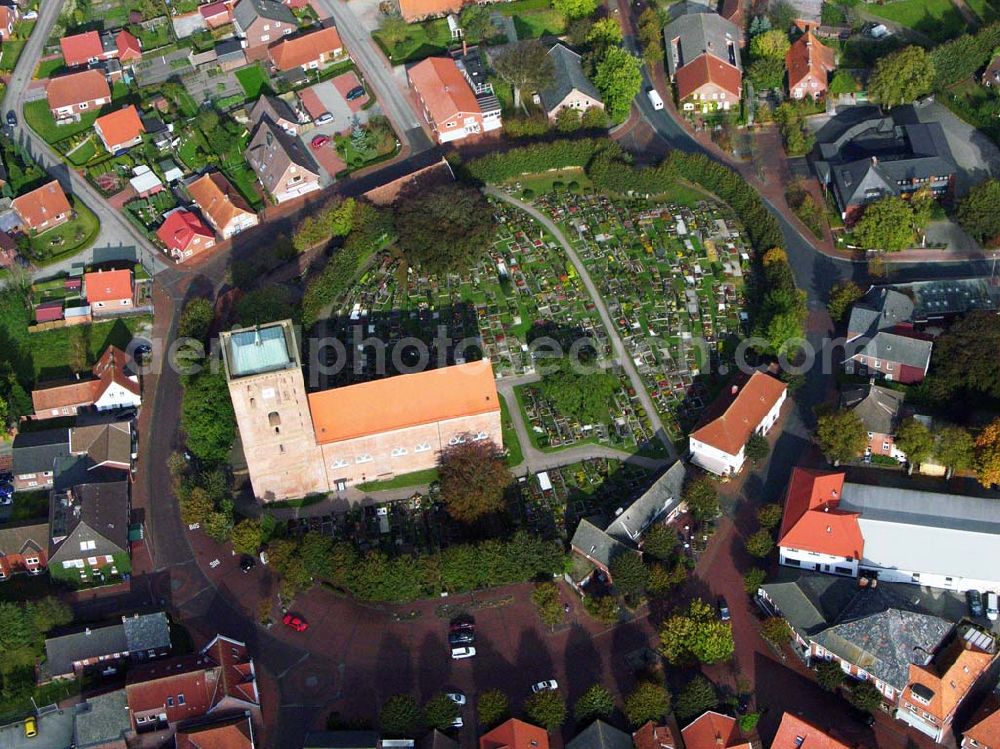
(991, 606)
(544, 685)
(457, 625)
(462, 653)
(457, 697)
(295, 622)
(355, 93)
(458, 722)
(319, 141)
(724, 614)
(462, 637)
(30, 727)
(975, 600)
(12, 118)
(323, 119)
(247, 563)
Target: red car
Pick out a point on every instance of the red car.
(296, 623)
(319, 141)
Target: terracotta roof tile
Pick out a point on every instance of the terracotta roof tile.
(652, 736)
(414, 10)
(63, 395)
(403, 401)
(515, 734)
(150, 685)
(742, 414)
(985, 729)
(704, 69)
(67, 90)
(442, 87)
(795, 733)
(120, 126)
(949, 677)
(128, 46)
(79, 49)
(110, 368)
(812, 519)
(218, 200)
(301, 50)
(41, 204)
(807, 55)
(712, 730)
(108, 286)
(232, 733)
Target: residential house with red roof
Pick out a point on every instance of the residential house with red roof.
(185, 235)
(282, 164)
(221, 204)
(937, 689)
(8, 19)
(109, 385)
(309, 51)
(121, 129)
(218, 680)
(227, 732)
(418, 10)
(73, 95)
(43, 208)
(653, 736)
(703, 61)
(718, 443)
(108, 291)
(128, 48)
(795, 733)
(898, 535)
(515, 734)
(216, 14)
(84, 49)
(712, 730)
(24, 548)
(451, 107)
(984, 728)
(809, 63)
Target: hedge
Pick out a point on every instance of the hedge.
(538, 157)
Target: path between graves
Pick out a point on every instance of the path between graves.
(618, 346)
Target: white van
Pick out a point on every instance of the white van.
(654, 98)
(991, 607)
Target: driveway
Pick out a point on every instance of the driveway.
(977, 156)
(324, 97)
(153, 70)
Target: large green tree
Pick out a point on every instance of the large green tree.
(493, 707)
(585, 396)
(473, 478)
(978, 214)
(394, 30)
(696, 635)
(886, 224)
(760, 544)
(526, 66)
(901, 77)
(648, 701)
(659, 541)
(445, 229)
(401, 716)
(546, 709)
(966, 358)
(697, 696)
(440, 711)
(915, 439)
(770, 44)
(701, 498)
(842, 298)
(477, 22)
(954, 448)
(840, 435)
(630, 575)
(767, 73)
(572, 9)
(618, 76)
(596, 702)
(207, 417)
(247, 536)
(196, 319)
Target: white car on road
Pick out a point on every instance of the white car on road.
(544, 685)
(460, 653)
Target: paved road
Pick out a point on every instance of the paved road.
(116, 231)
(395, 100)
(621, 353)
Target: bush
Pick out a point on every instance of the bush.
(550, 608)
(749, 722)
(401, 716)
(753, 579)
(603, 608)
(695, 698)
(775, 630)
(648, 701)
(769, 516)
(538, 157)
(493, 706)
(546, 709)
(596, 702)
(830, 675)
(440, 711)
(760, 543)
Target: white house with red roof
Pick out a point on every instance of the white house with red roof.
(184, 234)
(717, 445)
(712, 730)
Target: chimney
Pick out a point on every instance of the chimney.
(874, 160)
(465, 47)
(829, 529)
(87, 631)
(734, 389)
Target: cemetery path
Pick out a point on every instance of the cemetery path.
(619, 347)
(536, 460)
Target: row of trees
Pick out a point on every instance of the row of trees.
(375, 576)
(334, 219)
(780, 307)
(978, 215)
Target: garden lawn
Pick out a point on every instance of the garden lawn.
(537, 23)
(417, 478)
(47, 68)
(11, 51)
(938, 19)
(987, 10)
(253, 80)
(83, 153)
(39, 118)
(68, 239)
(510, 441)
(158, 36)
(426, 39)
(56, 353)
(245, 180)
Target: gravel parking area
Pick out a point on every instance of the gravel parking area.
(324, 97)
(344, 83)
(153, 70)
(976, 155)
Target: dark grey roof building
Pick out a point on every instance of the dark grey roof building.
(901, 349)
(662, 499)
(248, 11)
(599, 735)
(597, 546)
(88, 525)
(878, 407)
(881, 156)
(139, 636)
(879, 309)
(570, 86)
(701, 32)
(36, 452)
